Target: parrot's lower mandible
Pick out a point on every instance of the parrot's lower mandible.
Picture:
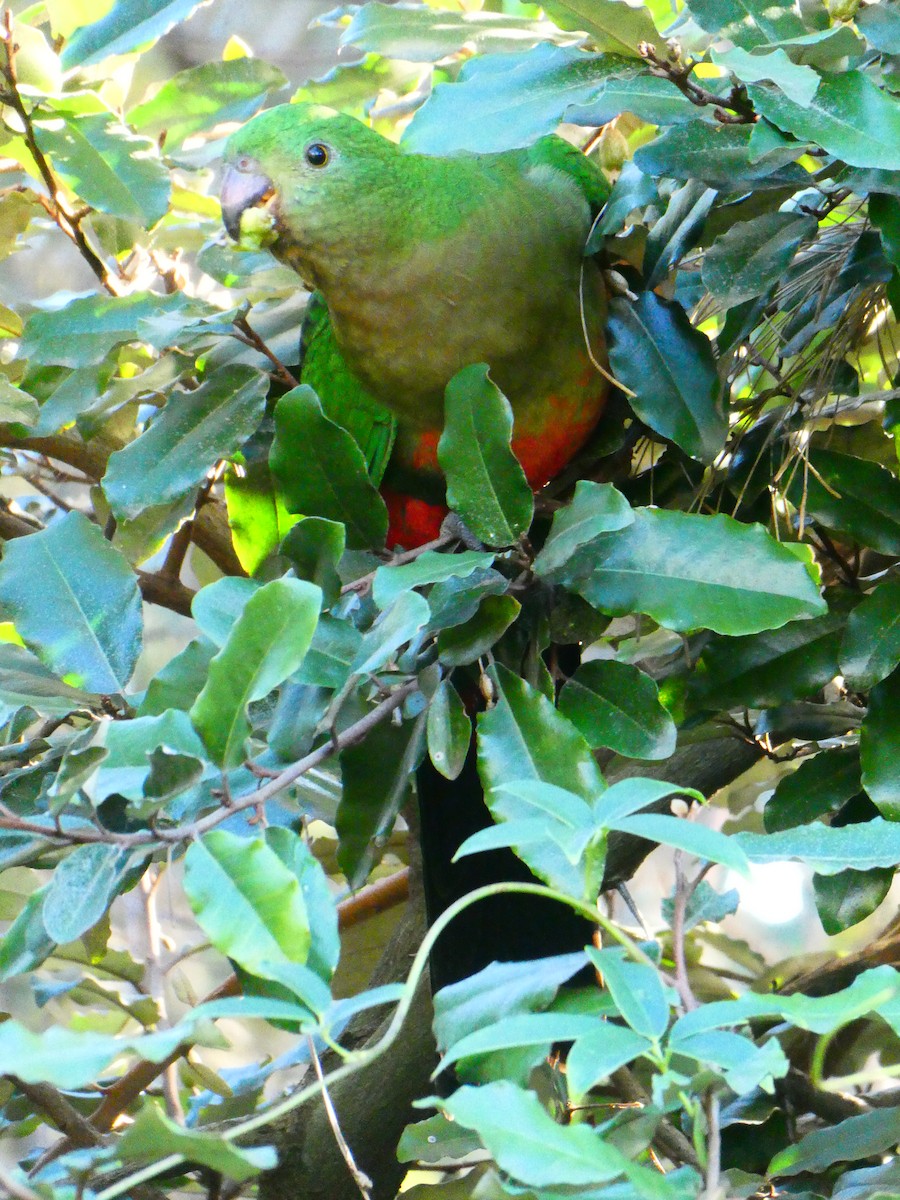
(421, 266)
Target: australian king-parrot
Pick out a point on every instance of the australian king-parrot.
(420, 266)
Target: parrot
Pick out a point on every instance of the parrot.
(420, 265)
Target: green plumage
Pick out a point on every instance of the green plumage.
(423, 265)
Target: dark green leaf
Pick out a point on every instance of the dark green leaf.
(879, 746)
(434, 1139)
(314, 547)
(677, 230)
(322, 472)
(429, 567)
(871, 647)
(266, 644)
(691, 572)
(393, 629)
(845, 899)
(179, 682)
(771, 667)
(615, 705)
(719, 157)
(449, 731)
(194, 431)
(859, 1137)
(854, 496)
(75, 601)
(820, 785)
(654, 100)
(749, 22)
(660, 356)
(376, 778)
(485, 481)
(520, 1031)
(849, 116)
(469, 641)
(744, 262)
(130, 25)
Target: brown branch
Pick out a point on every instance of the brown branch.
(667, 1139)
(678, 72)
(249, 337)
(78, 1130)
(167, 593)
(69, 223)
(351, 736)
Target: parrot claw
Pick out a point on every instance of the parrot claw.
(454, 526)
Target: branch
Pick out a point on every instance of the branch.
(249, 337)
(678, 72)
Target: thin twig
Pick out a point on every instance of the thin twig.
(678, 72)
(248, 335)
(362, 1181)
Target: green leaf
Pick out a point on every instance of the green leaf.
(718, 156)
(705, 904)
(400, 624)
(106, 165)
(257, 517)
(246, 899)
(376, 781)
(202, 97)
(519, 1031)
(691, 572)
(179, 682)
(629, 796)
(81, 890)
(845, 899)
(26, 944)
(880, 25)
(334, 648)
(771, 667)
(598, 1053)
(193, 431)
(130, 743)
(594, 509)
(129, 25)
(854, 496)
(322, 472)
(434, 1139)
(24, 680)
(827, 849)
(656, 352)
(677, 230)
(615, 705)
(449, 731)
(426, 35)
(743, 1066)
(16, 406)
(86, 329)
(700, 840)
(71, 1059)
(822, 784)
(614, 25)
(153, 1135)
(321, 908)
(871, 647)
(744, 262)
(636, 989)
(879, 747)
(651, 99)
(798, 83)
(266, 644)
(430, 567)
(526, 1142)
(861, 1137)
(217, 606)
(485, 482)
(469, 641)
(749, 22)
(501, 101)
(849, 117)
(75, 601)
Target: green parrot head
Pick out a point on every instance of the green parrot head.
(298, 177)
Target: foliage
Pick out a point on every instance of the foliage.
(729, 554)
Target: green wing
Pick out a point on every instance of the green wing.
(555, 152)
(343, 398)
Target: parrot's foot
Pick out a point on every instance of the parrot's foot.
(454, 526)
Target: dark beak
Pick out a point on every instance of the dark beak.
(241, 191)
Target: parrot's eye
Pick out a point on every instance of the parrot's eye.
(317, 155)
